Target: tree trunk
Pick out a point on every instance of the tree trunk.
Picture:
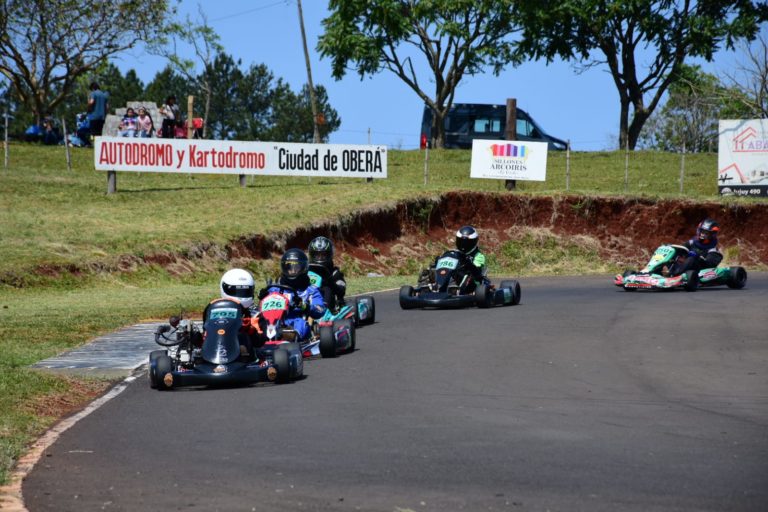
(623, 124)
(438, 129)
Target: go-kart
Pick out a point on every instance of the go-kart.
(216, 355)
(661, 273)
(361, 310)
(447, 287)
(327, 339)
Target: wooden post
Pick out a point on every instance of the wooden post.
(626, 167)
(369, 179)
(66, 143)
(190, 127)
(426, 164)
(111, 182)
(5, 141)
(511, 133)
(682, 168)
(568, 166)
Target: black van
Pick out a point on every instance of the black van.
(467, 121)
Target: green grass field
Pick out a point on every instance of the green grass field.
(50, 215)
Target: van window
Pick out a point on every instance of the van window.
(487, 125)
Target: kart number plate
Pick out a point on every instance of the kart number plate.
(223, 313)
(274, 302)
(449, 263)
(315, 279)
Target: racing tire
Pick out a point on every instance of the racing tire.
(515, 286)
(371, 308)
(352, 333)
(163, 366)
(483, 296)
(327, 342)
(737, 278)
(152, 373)
(281, 360)
(691, 280)
(406, 292)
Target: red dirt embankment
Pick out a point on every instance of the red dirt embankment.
(625, 228)
(625, 231)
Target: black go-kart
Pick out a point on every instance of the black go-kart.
(361, 310)
(217, 355)
(448, 286)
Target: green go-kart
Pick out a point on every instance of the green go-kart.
(660, 274)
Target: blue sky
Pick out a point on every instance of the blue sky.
(582, 108)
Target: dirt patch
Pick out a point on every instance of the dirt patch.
(385, 239)
(77, 393)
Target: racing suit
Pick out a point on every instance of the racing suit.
(310, 304)
(700, 256)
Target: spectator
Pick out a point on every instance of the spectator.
(129, 124)
(51, 135)
(171, 117)
(98, 105)
(146, 126)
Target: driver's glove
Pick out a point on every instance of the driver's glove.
(296, 302)
(263, 293)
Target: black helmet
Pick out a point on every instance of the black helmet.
(293, 266)
(466, 239)
(707, 230)
(321, 251)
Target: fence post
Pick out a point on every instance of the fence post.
(5, 140)
(426, 164)
(626, 167)
(111, 182)
(369, 179)
(66, 143)
(568, 166)
(510, 133)
(682, 169)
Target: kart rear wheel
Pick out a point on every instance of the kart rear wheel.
(691, 280)
(327, 341)
(406, 292)
(515, 286)
(371, 310)
(483, 296)
(163, 366)
(281, 360)
(152, 373)
(737, 278)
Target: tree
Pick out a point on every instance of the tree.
(46, 45)
(293, 119)
(751, 80)
(454, 37)
(622, 31)
(205, 43)
(167, 83)
(689, 118)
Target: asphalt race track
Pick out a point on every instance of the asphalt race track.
(582, 398)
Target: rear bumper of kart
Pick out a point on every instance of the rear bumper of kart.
(442, 300)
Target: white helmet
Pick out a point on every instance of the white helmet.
(237, 284)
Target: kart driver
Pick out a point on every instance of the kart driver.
(321, 253)
(307, 299)
(237, 284)
(473, 264)
(702, 249)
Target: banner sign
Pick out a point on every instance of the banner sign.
(238, 157)
(742, 158)
(509, 160)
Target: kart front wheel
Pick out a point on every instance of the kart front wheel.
(737, 278)
(163, 367)
(281, 360)
(691, 280)
(327, 342)
(515, 287)
(483, 296)
(406, 292)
